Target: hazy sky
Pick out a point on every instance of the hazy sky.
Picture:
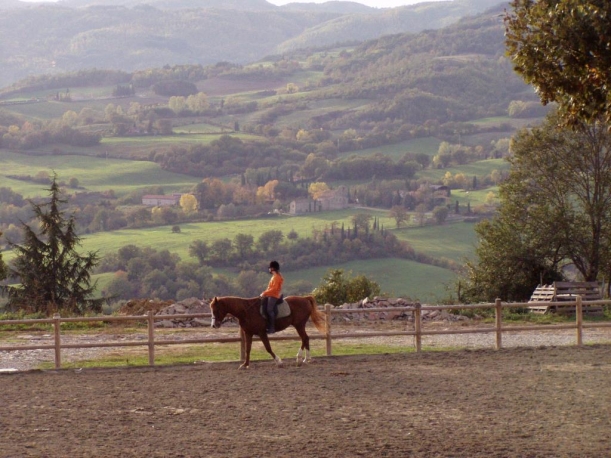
(374, 3)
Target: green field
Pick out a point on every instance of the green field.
(162, 237)
(426, 145)
(396, 277)
(452, 241)
(94, 174)
(479, 168)
(197, 128)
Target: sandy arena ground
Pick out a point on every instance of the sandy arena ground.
(519, 402)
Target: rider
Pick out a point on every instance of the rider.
(271, 295)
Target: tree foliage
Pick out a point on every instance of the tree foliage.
(3, 269)
(53, 276)
(337, 288)
(562, 48)
(555, 211)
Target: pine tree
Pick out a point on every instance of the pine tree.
(53, 275)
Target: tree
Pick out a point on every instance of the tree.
(198, 102)
(73, 183)
(317, 189)
(361, 220)
(421, 214)
(440, 213)
(199, 249)
(561, 48)
(221, 250)
(3, 270)
(177, 104)
(337, 288)
(53, 275)
(243, 244)
(555, 211)
(188, 203)
(268, 241)
(399, 214)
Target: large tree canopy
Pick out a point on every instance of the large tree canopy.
(53, 276)
(563, 48)
(555, 211)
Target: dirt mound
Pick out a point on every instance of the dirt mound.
(143, 306)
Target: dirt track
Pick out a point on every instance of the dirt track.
(543, 402)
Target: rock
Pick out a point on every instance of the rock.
(164, 324)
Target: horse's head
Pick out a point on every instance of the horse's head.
(218, 313)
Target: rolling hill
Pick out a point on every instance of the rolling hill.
(128, 35)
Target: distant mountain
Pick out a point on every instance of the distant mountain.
(72, 35)
(244, 5)
(343, 7)
(10, 4)
(413, 18)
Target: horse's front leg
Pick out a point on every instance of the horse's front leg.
(248, 346)
(268, 347)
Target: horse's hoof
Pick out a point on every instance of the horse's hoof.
(243, 366)
(298, 362)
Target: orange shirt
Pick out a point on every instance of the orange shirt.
(274, 289)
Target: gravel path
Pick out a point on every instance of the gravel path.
(31, 359)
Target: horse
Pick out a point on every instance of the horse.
(252, 323)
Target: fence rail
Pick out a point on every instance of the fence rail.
(417, 333)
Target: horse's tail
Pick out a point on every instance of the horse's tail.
(318, 318)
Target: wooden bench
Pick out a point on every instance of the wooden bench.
(564, 291)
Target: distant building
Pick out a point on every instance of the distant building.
(153, 200)
(300, 206)
(334, 199)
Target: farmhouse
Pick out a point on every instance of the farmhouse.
(334, 199)
(153, 200)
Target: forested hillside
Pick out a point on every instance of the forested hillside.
(71, 35)
(406, 132)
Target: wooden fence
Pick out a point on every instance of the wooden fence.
(498, 329)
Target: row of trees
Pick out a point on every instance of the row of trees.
(555, 208)
(49, 273)
(555, 211)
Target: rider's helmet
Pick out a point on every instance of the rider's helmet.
(274, 265)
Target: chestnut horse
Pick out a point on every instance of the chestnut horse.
(252, 323)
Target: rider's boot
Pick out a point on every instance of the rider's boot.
(271, 317)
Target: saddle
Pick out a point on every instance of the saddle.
(282, 306)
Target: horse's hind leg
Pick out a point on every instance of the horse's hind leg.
(304, 351)
(268, 347)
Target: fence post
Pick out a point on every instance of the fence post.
(328, 330)
(498, 312)
(418, 327)
(58, 351)
(579, 320)
(151, 326)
